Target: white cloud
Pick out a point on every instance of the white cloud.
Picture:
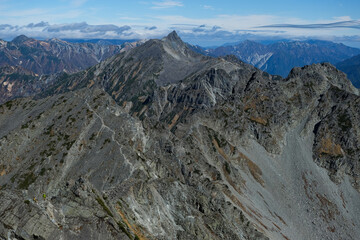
(74, 3)
(228, 22)
(342, 18)
(78, 3)
(24, 13)
(166, 4)
(208, 7)
(218, 27)
(130, 18)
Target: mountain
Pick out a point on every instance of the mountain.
(16, 82)
(352, 68)
(160, 142)
(25, 63)
(279, 58)
(54, 55)
(101, 41)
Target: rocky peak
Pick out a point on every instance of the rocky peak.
(56, 40)
(321, 76)
(173, 37)
(174, 45)
(167, 61)
(20, 39)
(250, 43)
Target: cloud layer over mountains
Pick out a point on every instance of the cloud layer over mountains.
(201, 34)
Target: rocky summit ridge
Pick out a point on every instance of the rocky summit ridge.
(160, 142)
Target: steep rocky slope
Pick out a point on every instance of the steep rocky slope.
(162, 143)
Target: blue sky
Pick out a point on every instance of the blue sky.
(201, 22)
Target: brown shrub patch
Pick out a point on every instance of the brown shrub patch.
(255, 171)
(328, 147)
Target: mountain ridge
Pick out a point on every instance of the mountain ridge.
(226, 152)
(55, 55)
(280, 57)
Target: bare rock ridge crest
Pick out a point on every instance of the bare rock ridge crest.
(160, 142)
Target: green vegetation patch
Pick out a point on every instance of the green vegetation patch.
(27, 180)
(102, 204)
(69, 144)
(227, 167)
(344, 122)
(92, 137)
(122, 228)
(9, 104)
(42, 172)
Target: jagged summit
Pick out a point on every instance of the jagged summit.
(57, 40)
(169, 60)
(174, 42)
(173, 37)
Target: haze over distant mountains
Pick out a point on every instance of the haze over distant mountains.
(352, 68)
(280, 57)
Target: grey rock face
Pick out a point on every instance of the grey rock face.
(121, 151)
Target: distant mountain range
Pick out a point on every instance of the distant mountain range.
(279, 58)
(30, 57)
(352, 68)
(25, 63)
(102, 41)
(54, 55)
